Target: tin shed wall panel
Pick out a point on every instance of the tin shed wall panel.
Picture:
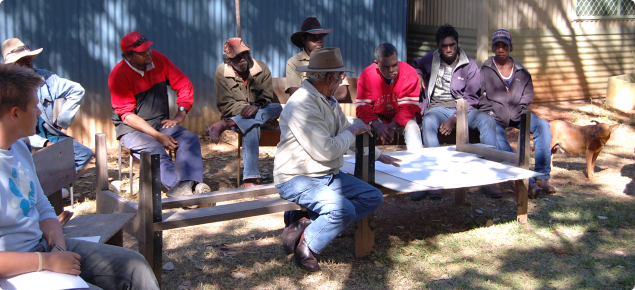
(81, 41)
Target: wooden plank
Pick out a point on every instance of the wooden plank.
(459, 196)
(145, 231)
(55, 166)
(157, 236)
(269, 137)
(225, 212)
(365, 170)
(489, 152)
(218, 196)
(101, 163)
(522, 190)
(103, 225)
(523, 148)
(364, 236)
(110, 202)
(462, 135)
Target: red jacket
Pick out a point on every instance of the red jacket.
(397, 102)
(147, 95)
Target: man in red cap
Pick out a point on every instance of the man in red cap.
(244, 96)
(138, 88)
(309, 38)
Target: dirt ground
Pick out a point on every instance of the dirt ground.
(205, 251)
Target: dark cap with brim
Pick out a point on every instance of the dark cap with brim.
(310, 25)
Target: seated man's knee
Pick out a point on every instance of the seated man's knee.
(429, 123)
(344, 213)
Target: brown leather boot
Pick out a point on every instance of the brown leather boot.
(304, 256)
(291, 234)
(218, 128)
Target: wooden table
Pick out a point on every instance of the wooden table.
(448, 160)
(443, 168)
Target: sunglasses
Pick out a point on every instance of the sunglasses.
(20, 49)
(137, 43)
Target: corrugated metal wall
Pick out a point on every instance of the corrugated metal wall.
(573, 64)
(81, 41)
(569, 59)
(359, 26)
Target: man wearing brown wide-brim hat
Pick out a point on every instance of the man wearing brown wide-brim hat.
(310, 37)
(50, 126)
(315, 135)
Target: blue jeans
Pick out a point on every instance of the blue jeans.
(109, 267)
(250, 129)
(542, 142)
(483, 122)
(188, 164)
(334, 201)
(83, 154)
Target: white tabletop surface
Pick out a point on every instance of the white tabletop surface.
(440, 168)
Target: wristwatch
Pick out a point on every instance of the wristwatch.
(182, 109)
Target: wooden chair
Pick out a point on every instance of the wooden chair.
(131, 158)
(55, 168)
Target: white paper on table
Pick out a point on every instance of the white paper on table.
(446, 168)
(94, 239)
(44, 280)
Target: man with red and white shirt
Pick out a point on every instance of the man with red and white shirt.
(138, 88)
(388, 97)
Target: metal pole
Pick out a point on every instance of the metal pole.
(238, 16)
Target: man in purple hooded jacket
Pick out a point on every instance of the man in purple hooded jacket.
(447, 75)
(507, 90)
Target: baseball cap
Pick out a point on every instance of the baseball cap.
(135, 41)
(234, 46)
(502, 35)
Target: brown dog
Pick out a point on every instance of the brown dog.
(581, 140)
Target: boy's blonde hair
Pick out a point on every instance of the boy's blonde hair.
(16, 85)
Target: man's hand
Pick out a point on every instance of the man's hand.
(166, 140)
(385, 132)
(359, 128)
(178, 118)
(447, 126)
(249, 111)
(385, 159)
(423, 87)
(61, 262)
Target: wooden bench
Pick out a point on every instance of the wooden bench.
(55, 168)
(149, 221)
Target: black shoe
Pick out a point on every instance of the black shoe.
(418, 195)
(304, 257)
(435, 194)
(292, 233)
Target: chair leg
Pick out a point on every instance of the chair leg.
(71, 196)
(238, 157)
(119, 159)
(130, 174)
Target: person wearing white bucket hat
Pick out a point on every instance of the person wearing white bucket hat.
(49, 129)
(315, 135)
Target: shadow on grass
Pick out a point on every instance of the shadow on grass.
(629, 171)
